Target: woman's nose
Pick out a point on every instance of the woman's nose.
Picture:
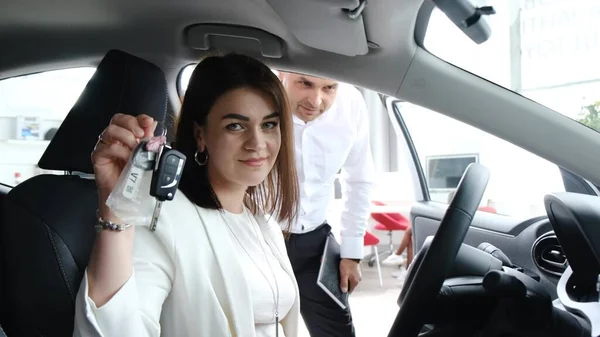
(256, 140)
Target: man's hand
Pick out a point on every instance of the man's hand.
(349, 275)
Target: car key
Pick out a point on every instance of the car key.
(165, 179)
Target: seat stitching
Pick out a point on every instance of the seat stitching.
(57, 255)
(24, 204)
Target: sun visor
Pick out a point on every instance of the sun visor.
(236, 38)
(331, 25)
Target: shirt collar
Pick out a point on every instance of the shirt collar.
(297, 120)
(303, 123)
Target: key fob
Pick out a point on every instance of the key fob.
(167, 174)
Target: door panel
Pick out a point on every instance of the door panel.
(500, 224)
(515, 238)
(4, 189)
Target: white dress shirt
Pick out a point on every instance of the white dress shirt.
(338, 139)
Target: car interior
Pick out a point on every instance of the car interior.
(45, 213)
(474, 273)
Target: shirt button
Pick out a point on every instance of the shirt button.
(302, 227)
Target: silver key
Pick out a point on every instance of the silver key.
(155, 215)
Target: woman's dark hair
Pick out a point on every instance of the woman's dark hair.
(213, 77)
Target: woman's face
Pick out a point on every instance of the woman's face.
(242, 137)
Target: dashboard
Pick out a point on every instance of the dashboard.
(561, 250)
(530, 244)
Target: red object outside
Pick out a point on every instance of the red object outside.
(370, 239)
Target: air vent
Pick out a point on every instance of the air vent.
(548, 255)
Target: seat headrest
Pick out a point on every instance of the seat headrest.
(122, 83)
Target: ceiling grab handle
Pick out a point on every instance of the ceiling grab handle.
(355, 13)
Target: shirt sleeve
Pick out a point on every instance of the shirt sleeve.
(357, 179)
(135, 309)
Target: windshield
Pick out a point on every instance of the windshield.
(546, 50)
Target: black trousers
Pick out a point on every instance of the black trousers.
(323, 317)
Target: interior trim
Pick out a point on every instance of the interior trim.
(550, 267)
(492, 223)
(413, 151)
(422, 23)
(447, 89)
(576, 184)
(308, 19)
(590, 310)
(231, 37)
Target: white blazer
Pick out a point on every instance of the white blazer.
(187, 281)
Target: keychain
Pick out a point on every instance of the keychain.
(165, 178)
(154, 170)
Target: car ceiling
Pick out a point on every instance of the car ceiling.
(38, 35)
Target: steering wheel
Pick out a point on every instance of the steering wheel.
(427, 277)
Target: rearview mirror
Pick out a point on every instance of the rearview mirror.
(469, 18)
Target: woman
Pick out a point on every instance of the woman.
(396, 257)
(214, 266)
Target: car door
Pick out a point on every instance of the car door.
(511, 215)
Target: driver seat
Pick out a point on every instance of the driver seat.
(47, 233)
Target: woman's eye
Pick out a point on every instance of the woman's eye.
(235, 127)
(270, 125)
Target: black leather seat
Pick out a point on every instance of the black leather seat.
(47, 232)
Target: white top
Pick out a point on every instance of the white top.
(338, 139)
(188, 280)
(260, 265)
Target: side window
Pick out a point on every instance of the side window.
(32, 107)
(444, 171)
(445, 147)
(184, 79)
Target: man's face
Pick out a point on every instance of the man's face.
(309, 96)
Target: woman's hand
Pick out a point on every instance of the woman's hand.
(114, 148)
(111, 262)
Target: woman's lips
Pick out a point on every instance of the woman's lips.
(254, 162)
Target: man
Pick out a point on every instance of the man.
(331, 128)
